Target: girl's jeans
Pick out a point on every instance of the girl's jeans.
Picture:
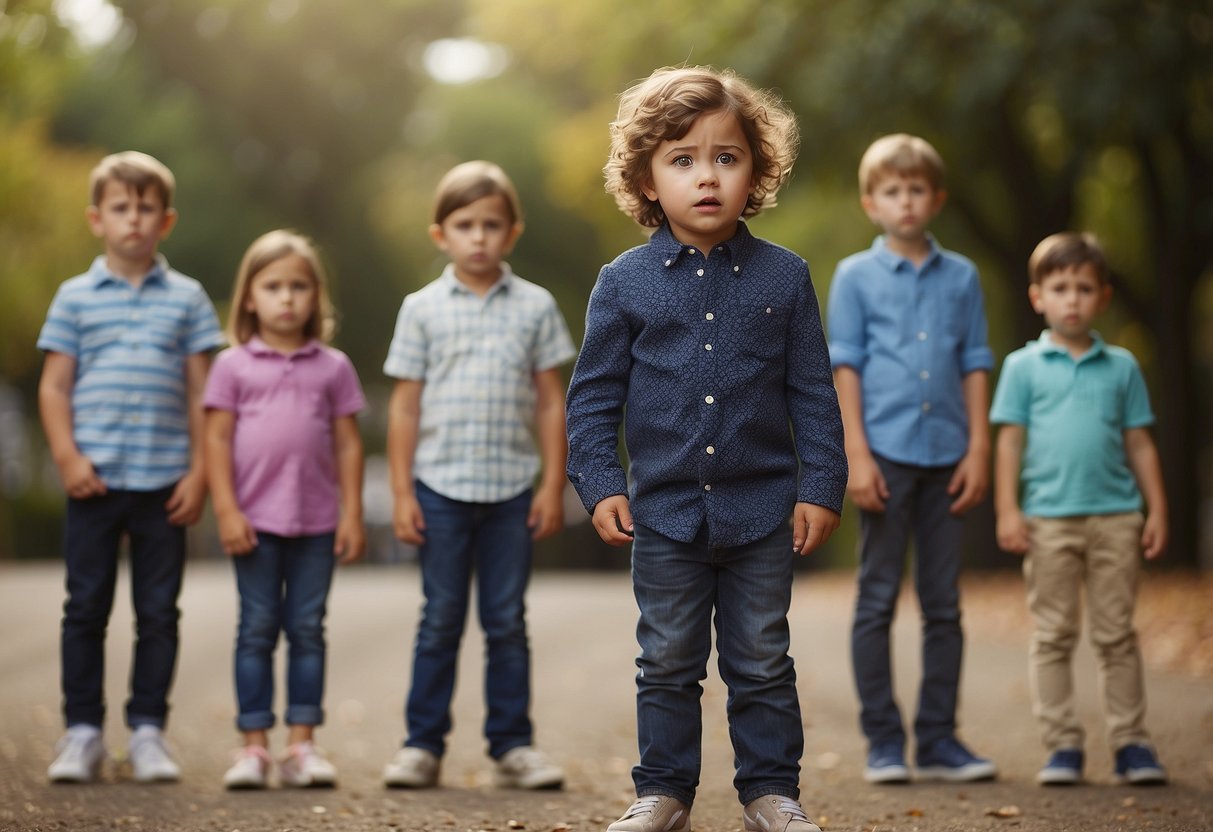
(284, 586)
(493, 541)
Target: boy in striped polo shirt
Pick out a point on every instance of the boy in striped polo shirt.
(127, 348)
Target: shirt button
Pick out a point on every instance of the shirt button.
(710, 316)
(707, 347)
(926, 407)
(669, 262)
(707, 488)
(710, 399)
(691, 251)
(768, 310)
(736, 269)
(924, 375)
(699, 272)
(711, 450)
(922, 336)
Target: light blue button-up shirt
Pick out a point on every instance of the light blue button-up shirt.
(129, 408)
(912, 334)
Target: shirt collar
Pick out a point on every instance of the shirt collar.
(1047, 345)
(670, 251)
(258, 347)
(100, 273)
(455, 286)
(894, 261)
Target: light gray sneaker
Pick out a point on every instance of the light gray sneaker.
(305, 767)
(776, 813)
(412, 768)
(78, 756)
(526, 767)
(654, 813)
(150, 759)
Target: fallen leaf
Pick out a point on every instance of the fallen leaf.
(1004, 812)
(1129, 802)
(915, 813)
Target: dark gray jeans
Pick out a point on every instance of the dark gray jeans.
(917, 509)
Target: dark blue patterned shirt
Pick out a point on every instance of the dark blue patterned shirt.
(714, 360)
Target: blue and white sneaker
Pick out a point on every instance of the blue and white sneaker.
(948, 760)
(1137, 765)
(1063, 769)
(886, 764)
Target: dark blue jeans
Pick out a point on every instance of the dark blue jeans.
(93, 533)
(284, 587)
(917, 508)
(678, 586)
(492, 541)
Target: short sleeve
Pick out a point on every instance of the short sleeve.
(204, 334)
(60, 332)
(554, 345)
(222, 390)
(348, 397)
(406, 356)
(844, 321)
(1012, 396)
(1137, 412)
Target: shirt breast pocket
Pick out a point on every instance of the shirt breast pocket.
(763, 332)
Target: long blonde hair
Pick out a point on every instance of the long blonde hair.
(266, 249)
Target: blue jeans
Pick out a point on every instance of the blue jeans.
(493, 541)
(94, 529)
(917, 507)
(284, 587)
(678, 586)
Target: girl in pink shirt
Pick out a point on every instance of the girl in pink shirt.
(284, 464)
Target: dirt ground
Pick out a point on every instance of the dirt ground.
(582, 635)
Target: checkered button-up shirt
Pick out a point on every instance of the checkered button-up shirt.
(477, 358)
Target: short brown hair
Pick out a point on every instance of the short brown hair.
(903, 155)
(266, 249)
(1064, 251)
(136, 170)
(664, 107)
(464, 184)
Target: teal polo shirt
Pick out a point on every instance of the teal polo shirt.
(1075, 413)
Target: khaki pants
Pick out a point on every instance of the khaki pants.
(1100, 553)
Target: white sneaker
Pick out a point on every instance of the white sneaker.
(304, 766)
(412, 768)
(251, 769)
(526, 767)
(150, 759)
(79, 755)
(776, 813)
(654, 813)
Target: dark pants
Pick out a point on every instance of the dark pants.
(917, 508)
(157, 556)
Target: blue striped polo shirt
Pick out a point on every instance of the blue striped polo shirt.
(129, 408)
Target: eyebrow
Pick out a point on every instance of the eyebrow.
(687, 148)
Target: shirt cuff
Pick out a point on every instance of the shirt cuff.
(824, 491)
(842, 355)
(978, 358)
(594, 487)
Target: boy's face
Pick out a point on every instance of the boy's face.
(1070, 299)
(703, 180)
(129, 223)
(477, 237)
(903, 206)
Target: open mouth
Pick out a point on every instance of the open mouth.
(708, 202)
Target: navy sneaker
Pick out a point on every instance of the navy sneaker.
(1063, 769)
(886, 764)
(947, 759)
(1137, 765)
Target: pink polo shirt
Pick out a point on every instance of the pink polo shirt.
(283, 457)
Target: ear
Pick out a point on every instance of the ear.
(938, 201)
(646, 188)
(437, 236)
(92, 214)
(515, 232)
(869, 208)
(1105, 296)
(168, 223)
(1034, 298)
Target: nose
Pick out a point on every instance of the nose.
(708, 175)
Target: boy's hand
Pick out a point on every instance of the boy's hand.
(547, 513)
(189, 496)
(1154, 535)
(866, 486)
(408, 522)
(970, 482)
(349, 543)
(1011, 529)
(613, 520)
(812, 526)
(236, 534)
(80, 479)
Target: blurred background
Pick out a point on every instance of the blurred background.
(338, 118)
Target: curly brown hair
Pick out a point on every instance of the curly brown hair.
(664, 106)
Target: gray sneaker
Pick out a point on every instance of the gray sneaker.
(654, 813)
(78, 756)
(412, 768)
(150, 759)
(776, 813)
(526, 767)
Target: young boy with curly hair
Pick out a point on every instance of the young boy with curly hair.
(710, 340)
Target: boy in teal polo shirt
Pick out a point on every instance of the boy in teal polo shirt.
(1074, 458)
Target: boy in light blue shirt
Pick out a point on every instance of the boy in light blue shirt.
(1074, 458)
(907, 333)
